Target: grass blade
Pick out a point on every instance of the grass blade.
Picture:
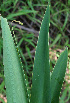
(41, 73)
(15, 88)
(58, 76)
(22, 12)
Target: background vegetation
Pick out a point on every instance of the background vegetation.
(30, 13)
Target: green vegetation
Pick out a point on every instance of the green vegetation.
(30, 13)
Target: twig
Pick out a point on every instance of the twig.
(24, 28)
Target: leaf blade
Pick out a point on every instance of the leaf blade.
(15, 86)
(58, 76)
(41, 73)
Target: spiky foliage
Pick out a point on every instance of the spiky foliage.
(44, 89)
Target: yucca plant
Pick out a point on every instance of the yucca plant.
(45, 87)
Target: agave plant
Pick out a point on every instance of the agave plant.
(45, 88)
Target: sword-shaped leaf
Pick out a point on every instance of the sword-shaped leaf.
(57, 77)
(15, 86)
(41, 73)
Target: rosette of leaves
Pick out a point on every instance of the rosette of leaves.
(45, 88)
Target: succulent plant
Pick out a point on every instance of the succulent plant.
(45, 87)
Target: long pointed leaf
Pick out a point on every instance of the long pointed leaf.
(57, 77)
(41, 73)
(15, 88)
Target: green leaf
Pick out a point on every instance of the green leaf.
(56, 39)
(15, 85)
(57, 77)
(2, 100)
(40, 92)
(22, 12)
